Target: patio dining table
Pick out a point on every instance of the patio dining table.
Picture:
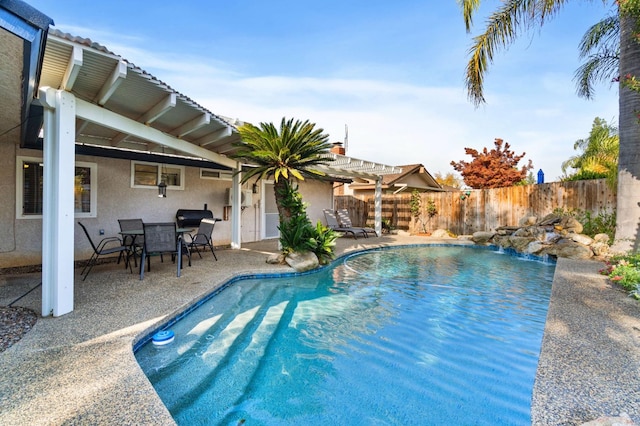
(134, 233)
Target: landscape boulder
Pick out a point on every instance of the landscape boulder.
(569, 249)
(553, 235)
(441, 233)
(482, 237)
(276, 259)
(302, 261)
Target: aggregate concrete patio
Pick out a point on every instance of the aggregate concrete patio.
(80, 368)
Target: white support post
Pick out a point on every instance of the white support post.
(236, 209)
(58, 205)
(378, 206)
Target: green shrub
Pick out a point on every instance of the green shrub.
(298, 235)
(324, 241)
(603, 223)
(625, 270)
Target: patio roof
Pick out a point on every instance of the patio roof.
(157, 119)
(109, 87)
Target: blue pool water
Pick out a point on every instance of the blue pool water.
(414, 335)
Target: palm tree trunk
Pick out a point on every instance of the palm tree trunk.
(628, 195)
(280, 188)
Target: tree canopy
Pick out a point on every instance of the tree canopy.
(450, 179)
(599, 154)
(496, 168)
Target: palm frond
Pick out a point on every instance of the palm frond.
(469, 8)
(502, 28)
(288, 151)
(599, 68)
(602, 35)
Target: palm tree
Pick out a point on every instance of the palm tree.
(284, 154)
(600, 46)
(599, 157)
(502, 29)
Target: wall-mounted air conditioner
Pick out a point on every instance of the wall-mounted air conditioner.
(246, 199)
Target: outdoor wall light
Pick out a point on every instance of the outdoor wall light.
(254, 188)
(162, 190)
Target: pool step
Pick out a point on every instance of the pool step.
(232, 355)
(190, 344)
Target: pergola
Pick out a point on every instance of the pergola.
(97, 103)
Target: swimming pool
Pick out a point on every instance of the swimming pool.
(410, 335)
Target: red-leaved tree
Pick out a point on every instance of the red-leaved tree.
(497, 168)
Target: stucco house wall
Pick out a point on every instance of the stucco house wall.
(116, 199)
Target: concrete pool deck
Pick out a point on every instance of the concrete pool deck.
(80, 369)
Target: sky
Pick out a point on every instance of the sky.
(386, 76)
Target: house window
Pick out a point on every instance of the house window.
(30, 184)
(216, 174)
(149, 175)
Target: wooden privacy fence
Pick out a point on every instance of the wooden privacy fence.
(484, 209)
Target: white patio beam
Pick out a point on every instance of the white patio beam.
(58, 201)
(214, 137)
(115, 79)
(159, 109)
(236, 211)
(81, 128)
(193, 125)
(109, 119)
(73, 69)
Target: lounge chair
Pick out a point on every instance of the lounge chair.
(332, 222)
(345, 222)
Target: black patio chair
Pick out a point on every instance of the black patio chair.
(108, 245)
(203, 237)
(134, 242)
(160, 238)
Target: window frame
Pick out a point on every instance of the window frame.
(20, 160)
(158, 175)
(225, 175)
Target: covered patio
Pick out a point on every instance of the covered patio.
(98, 105)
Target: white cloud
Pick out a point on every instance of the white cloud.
(389, 121)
